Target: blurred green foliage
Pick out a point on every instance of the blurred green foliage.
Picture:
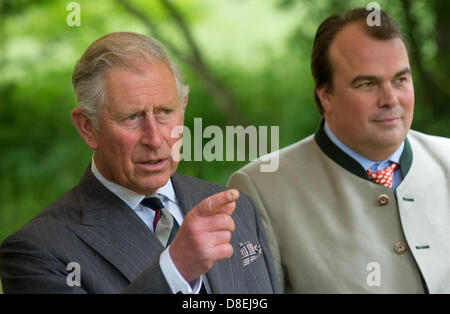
(257, 52)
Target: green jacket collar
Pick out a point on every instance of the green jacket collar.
(351, 165)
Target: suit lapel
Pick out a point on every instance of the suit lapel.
(112, 229)
(115, 232)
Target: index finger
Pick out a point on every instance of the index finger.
(210, 206)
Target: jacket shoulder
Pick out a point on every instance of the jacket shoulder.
(200, 189)
(436, 147)
(281, 160)
(188, 181)
(52, 219)
(426, 139)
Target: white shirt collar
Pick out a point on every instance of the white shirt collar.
(131, 198)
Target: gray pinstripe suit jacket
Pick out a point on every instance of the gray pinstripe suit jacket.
(115, 249)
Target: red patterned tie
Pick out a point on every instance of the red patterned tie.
(383, 177)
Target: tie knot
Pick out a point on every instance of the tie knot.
(384, 176)
(164, 225)
(152, 202)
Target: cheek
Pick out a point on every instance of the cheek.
(347, 101)
(355, 108)
(407, 101)
(355, 115)
(174, 132)
(121, 146)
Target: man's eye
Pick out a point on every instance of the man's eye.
(133, 120)
(367, 84)
(164, 113)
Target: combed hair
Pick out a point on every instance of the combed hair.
(120, 49)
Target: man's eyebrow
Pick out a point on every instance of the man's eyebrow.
(360, 78)
(403, 72)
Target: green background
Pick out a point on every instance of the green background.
(246, 61)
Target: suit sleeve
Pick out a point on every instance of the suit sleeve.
(27, 268)
(151, 280)
(241, 181)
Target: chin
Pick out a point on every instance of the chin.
(151, 185)
(393, 141)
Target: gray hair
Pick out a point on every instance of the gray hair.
(121, 49)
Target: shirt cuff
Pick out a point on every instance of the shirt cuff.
(173, 277)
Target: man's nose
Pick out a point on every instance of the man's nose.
(387, 96)
(151, 132)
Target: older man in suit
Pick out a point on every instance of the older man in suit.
(363, 205)
(133, 224)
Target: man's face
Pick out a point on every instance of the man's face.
(133, 143)
(370, 107)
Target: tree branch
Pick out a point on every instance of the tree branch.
(223, 98)
(152, 29)
(184, 29)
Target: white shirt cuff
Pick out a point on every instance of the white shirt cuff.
(173, 277)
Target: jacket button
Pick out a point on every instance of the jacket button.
(400, 247)
(383, 199)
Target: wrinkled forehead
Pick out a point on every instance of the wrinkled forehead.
(137, 64)
(153, 83)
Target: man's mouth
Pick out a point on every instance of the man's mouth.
(154, 165)
(152, 162)
(387, 121)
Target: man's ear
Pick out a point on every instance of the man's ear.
(85, 127)
(325, 98)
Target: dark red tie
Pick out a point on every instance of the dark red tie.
(155, 204)
(168, 227)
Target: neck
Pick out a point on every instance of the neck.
(366, 149)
